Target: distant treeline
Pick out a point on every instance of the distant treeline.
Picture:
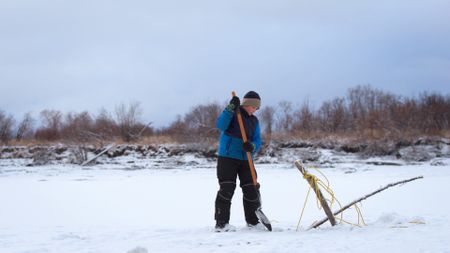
(365, 112)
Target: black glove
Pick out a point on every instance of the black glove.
(248, 146)
(234, 103)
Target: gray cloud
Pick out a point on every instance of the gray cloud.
(171, 55)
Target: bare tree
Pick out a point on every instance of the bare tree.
(285, 118)
(127, 119)
(360, 99)
(304, 118)
(332, 116)
(6, 125)
(176, 129)
(433, 112)
(200, 122)
(371, 110)
(77, 126)
(104, 128)
(25, 127)
(268, 121)
(405, 114)
(338, 115)
(324, 117)
(52, 122)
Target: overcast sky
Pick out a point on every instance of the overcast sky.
(174, 54)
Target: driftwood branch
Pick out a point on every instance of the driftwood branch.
(317, 224)
(110, 146)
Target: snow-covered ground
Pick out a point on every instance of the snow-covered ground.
(112, 208)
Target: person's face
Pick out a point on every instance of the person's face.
(250, 109)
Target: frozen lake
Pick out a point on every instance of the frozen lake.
(63, 208)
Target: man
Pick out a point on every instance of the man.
(232, 160)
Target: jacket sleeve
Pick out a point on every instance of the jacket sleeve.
(224, 119)
(256, 139)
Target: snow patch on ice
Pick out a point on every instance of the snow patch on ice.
(138, 250)
(395, 220)
(391, 218)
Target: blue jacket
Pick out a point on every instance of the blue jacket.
(230, 142)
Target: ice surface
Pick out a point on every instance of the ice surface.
(114, 208)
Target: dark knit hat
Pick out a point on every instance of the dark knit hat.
(252, 98)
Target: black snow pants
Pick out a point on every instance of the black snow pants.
(227, 171)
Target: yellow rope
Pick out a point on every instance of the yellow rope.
(320, 184)
(303, 209)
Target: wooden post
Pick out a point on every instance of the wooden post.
(319, 194)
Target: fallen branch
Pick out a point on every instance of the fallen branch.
(317, 224)
(110, 146)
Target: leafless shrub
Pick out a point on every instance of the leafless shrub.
(434, 113)
(6, 127)
(52, 122)
(176, 129)
(284, 117)
(25, 128)
(304, 118)
(267, 116)
(104, 128)
(197, 125)
(332, 116)
(405, 115)
(77, 126)
(200, 122)
(128, 119)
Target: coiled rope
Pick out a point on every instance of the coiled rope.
(326, 190)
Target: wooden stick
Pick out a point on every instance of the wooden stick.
(244, 139)
(319, 194)
(317, 224)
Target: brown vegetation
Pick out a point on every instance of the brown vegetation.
(365, 113)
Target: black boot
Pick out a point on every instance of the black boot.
(220, 224)
(224, 227)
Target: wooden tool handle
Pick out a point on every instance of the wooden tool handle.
(244, 139)
(241, 123)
